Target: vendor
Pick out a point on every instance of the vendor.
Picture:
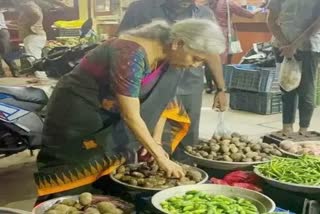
(121, 92)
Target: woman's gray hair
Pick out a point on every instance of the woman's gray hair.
(199, 35)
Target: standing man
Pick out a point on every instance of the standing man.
(5, 46)
(295, 25)
(191, 86)
(31, 28)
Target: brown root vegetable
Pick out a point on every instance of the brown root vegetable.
(247, 149)
(85, 198)
(52, 212)
(235, 135)
(244, 138)
(204, 154)
(226, 142)
(78, 206)
(62, 208)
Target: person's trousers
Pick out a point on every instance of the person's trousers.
(33, 45)
(192, 103)
(4, 49)
(304, 96)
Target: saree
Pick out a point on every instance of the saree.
(89, 142)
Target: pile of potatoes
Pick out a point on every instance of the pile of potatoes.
(151, 176)
(84, 205)
(234, 148)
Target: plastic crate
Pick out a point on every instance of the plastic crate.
(63, 32)
(260, 103)
(251, 78)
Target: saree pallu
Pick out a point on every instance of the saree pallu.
(82, 142)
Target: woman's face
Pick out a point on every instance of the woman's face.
(182, 57)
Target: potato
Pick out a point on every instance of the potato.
(91, 210)
(276, 152)
(204, 154)
(78, 206)
(215, 148)
(61, 208)
(251, 154)
(69, 202)
(118, 176)
(75, 212)
(121, 169)
(114, 211)
(236, 157)
(213, 141)
(138, 174)
(216, 137)
(227, 158)
(265, 159)
(266, 150)
(247, 160)
(126, 178)
(85, 198)
(225, 148)
(214, 154)
(257, 158)
(105, 206)
(189, 149)
(226, 142)
(234, 150)
(247, 149)
(244, 138)
(255, 147)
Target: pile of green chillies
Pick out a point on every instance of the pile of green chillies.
(304, 170)
(196, 202)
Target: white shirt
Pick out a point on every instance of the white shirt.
(2, 21)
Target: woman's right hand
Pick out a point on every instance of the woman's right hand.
(171, 168)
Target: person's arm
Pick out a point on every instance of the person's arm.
(312, 29)
(275, 8)
(215, 66)
(158, 130)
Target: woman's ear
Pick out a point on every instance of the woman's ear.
(177, 44)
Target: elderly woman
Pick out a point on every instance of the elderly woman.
(118, 100)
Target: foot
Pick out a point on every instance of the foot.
(209, 90)
(303, 131)
(287, 129)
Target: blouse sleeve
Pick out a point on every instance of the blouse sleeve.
(128, 73)
(240, 11)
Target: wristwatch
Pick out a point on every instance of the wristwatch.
(221, 90)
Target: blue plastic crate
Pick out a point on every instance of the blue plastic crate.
(251, 78)
(260, 103)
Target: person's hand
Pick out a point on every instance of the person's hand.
(220, 101)
(288, 51)
(145, 156)
(171, 168)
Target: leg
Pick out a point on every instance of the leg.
(289, 102)
(307, 89)
(192, 104)
(34, 44)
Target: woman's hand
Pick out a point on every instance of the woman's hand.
(220, 101)
(288, 51)
(171, 168)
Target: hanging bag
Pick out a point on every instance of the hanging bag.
(233, 42)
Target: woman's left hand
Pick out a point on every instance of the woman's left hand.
(220, 101)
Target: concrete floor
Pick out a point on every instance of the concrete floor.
(17, 189)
